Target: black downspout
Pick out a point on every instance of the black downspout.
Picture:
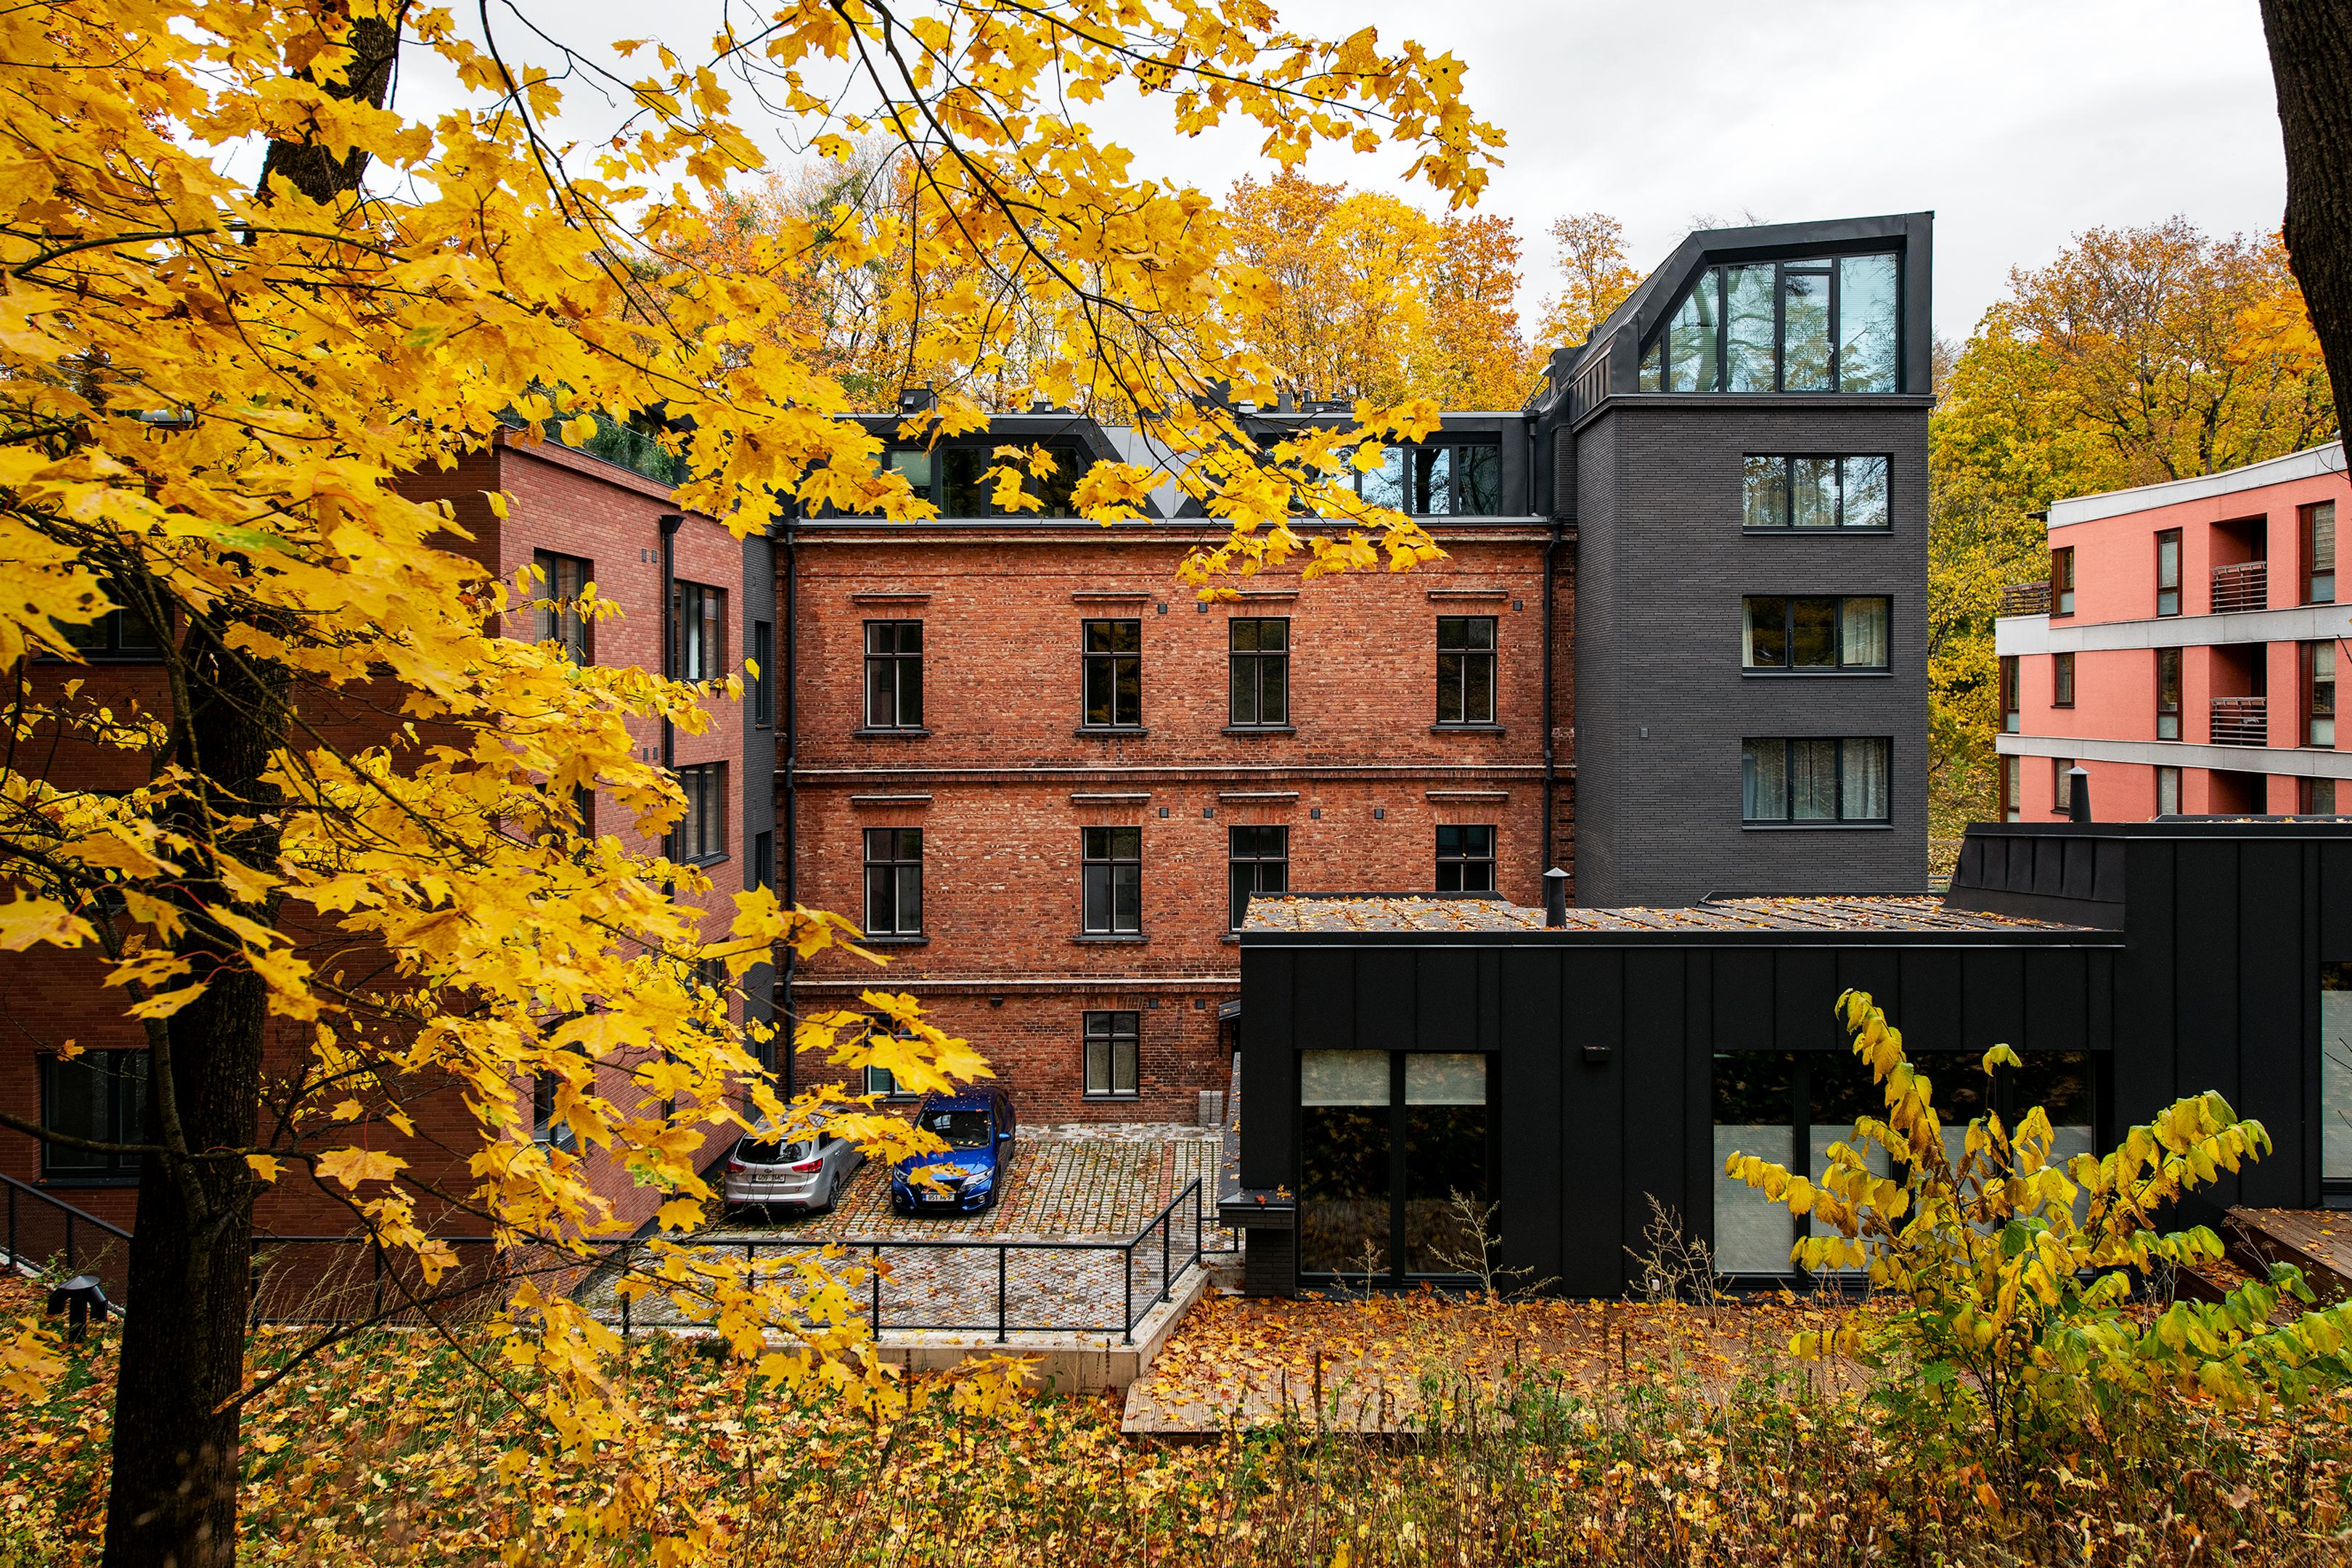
(669, 523)
(1551, 549)
(792, 764)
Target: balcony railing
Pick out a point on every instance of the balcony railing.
(2241, 721)
(2245, 586)
(2025, 599)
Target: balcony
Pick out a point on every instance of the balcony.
(2025, 599)
(2241, 721)
(2245, 586)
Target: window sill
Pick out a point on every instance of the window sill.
(1465, 729)
(718, 859)
(1111, 938)
(73, 1181)
(1130, 1096)
(1817, 827)
(910, 733)
(1813, 532)
(1110, 732)
(894, 942)
(1769, 674)
(1261, 729)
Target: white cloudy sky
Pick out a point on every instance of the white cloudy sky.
(2020, 122)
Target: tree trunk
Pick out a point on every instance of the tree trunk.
(2311, 61)
(173, 1498)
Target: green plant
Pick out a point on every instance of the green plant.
(2010, 1273)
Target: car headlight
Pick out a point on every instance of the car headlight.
(980, 1179)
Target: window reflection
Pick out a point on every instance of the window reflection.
(1814, 325)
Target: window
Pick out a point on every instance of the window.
(2013, 790)
(2009, 706)
(2167, 572)
(762, 870)
(2062, 680)
(1113, 894)
(701, 617)
(894, 675)
(2167, 694)
(1812, 492)
(2336, 1078)
(98, 1095)
(118, 633)
(1114, 685)
(1260, 657)
(882, 1081)
(893, 882)
(2318, 552)
(1260, 863)
(1785, 633)
(1814, 780)
(2319, 797)
(2062, 788)
(2062, 581)
(2319, 695)
(1465, 858)
(566, 576)
(966, 489)
(1436, 482)
(1466, 669)
(763, 685)
(1386, 1142)
(2168, 791)
(1820, 324)
(1111, 1053)
(545, 1128)
(700, 835)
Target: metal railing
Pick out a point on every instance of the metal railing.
(2025, 599)
(2241, 721)
(2244, 587)
(44, 1231)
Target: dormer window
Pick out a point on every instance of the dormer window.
(1819, 325)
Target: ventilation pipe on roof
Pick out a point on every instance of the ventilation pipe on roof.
(1555, 897)
(918, 399)
(2078, 794)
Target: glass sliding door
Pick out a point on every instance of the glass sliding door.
(1753, 1100)
(1839, 1091)
(2336, 1078)
(1444, 1157)
(1343, 1163)
(1387, 1143)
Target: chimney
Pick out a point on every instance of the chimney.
(918, 399)
(1555, 897)
(2078, 794)
(1283, 403)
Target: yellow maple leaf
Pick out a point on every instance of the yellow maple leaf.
(353, 1166)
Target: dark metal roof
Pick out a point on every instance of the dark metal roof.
(1413, 912)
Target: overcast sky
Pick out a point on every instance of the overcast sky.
(2019, 123)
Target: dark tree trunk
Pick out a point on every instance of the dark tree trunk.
(2311, 64)
(313, 170)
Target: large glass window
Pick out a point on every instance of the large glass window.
(1412, 1126)
(2062, 581)
(1259, 661)
(1114, 674)
(894, 675)
(1466, 669)
(1779, 492)
(98, 1095)
(1436, 480)
(1258, 859)
(700, 835)
(700, 616)
(118, 633)
(2062, 680)
(956, 479)
(2335, 1078)
(1113, 872)
(2167, 572)
(2167, 694)
(1445, 1156)
(893, 882)
(1111, 1055)
(2319, 552)
(560, 620)
(1754, 1114)
(1783, 632)
(1465, 858)
(2319, 695)
(1344, 1222)
(1818, 781)
(1813, 324)
(2009, 706)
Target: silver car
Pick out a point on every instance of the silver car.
(805, 1177)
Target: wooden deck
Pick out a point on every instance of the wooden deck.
(2317, 1241)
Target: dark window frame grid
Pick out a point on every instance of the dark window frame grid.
(1257, 860)
(763, 685)
(566, 578)
(2061, 793)
(1111, 665)
(893, 865)
(701, 836)
(1465, 858)
(1256, 670)
(2168, 680)
(2062, 679)
(1110, 897)
(1658, 359)
(698, 613)
(1837, 817)
(109, 638)
(2308, 521)
(2319, 695)
(2319, 797)
(1459, 666)
(1472, 478)
(2062, 581)
(894, 674)
(120, 1120)
(2011, 711)
(1110, 1029)
(1788, 604)
(952, 481)
(1776, 474)
(2168, 536)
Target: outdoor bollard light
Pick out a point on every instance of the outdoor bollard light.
(77, 1297)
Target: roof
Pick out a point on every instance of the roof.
(2308, 464)
(1340, 912)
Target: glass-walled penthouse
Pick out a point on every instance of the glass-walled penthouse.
(1820, 324)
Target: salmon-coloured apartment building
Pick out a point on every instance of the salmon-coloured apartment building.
(2184, 650)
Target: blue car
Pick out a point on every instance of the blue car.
(977, 1128)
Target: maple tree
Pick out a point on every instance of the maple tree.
(1596, 277)
(2136, 355)
(211, 391)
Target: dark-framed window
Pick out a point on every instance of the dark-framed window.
(763, 685)
(1465, 858)
(1387, 1141)
(1437, 479)
(2319, 797)
(884, 1083)
(118, 633)
(700, 835)
(1258, 859)
(1815, 779)
(98, 1095)
(1111, 1052)
(953, 477)
(2008, 704)
(701, 614)
(2013, 789)
(2168, 791)
(2062, 789)
(1112, 872)
(1259, 656)
(762, 871)
(1785, 632)
(1466, 669)
(2168, 572)
(2062, 581)
(893, 882)
(1114, 674)
(2167, 694)
(1784, 491)
(2317, 523)
(2319, 694)
(2062, 680)
(894, 675)
(1818, 324)
(545, 1127)
(566, 578)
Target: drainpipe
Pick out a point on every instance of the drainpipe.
(669, 522)
(792, 763)
(1551, 756)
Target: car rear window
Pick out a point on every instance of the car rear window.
(752, 1151)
